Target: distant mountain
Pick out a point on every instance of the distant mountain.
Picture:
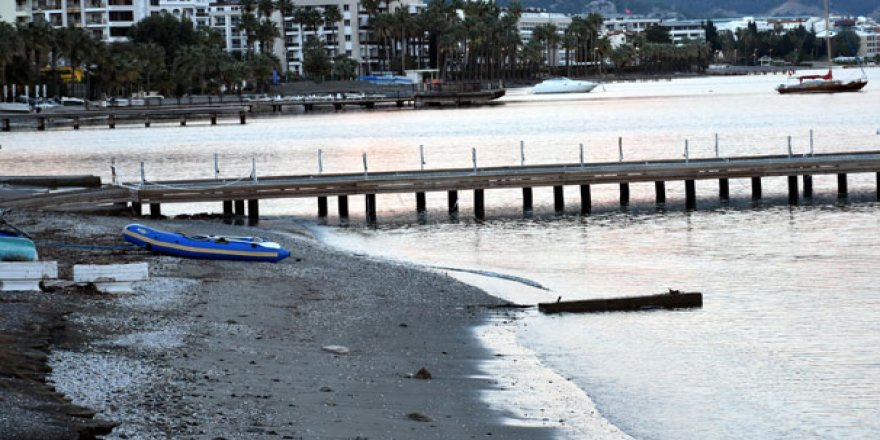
(707, 8)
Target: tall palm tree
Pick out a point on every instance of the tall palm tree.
(333, 16)
(266, 34)
(10, 47)
(150, 58)
(372, 8)
(285, 8)
(37, 39)
(383, 28)
(266, 8)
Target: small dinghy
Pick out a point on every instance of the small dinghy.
(204, 246)
(15, 244)
(16, 247)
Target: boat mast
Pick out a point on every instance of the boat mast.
(827, 35)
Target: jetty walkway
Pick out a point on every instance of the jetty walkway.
(799, 170)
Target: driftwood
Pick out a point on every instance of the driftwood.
(673, 299)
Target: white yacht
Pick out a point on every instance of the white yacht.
(563, 85)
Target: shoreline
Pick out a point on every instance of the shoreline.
(212, 348)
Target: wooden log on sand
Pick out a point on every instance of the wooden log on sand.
(673, 299)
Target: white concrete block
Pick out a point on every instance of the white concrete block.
(111, 278)
(26, 275)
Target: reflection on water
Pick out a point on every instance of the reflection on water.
(787, 343)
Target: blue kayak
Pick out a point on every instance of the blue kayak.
(204, 246)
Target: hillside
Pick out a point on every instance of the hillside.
(707, 8)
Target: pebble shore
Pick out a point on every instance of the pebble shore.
(323, 345)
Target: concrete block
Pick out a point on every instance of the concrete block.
(26, 275)
(111, 278)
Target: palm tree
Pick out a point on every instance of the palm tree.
(285, 8)
(266, 8)
(150, 58)
(372, 8)
(249, 24)
(36, 37)
(547, 34)
(383, 28)
(333, 16)
(266, 33)
(10, 47)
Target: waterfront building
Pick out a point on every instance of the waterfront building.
(531, 19)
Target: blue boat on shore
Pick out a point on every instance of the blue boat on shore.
(16, 247)
(204, 246)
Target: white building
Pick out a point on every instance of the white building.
(528, 21)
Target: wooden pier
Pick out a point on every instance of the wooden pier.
(110, 116)
(233, 195)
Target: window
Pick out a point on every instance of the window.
(348, 38)
(344, 7)
(118, 31)
(121, 16)
(346, 22)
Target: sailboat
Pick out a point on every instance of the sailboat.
(824, 83)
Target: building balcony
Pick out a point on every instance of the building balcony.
(96, 4)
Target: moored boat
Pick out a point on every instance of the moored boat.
(824, 83)
(563, 85)
(204, 246)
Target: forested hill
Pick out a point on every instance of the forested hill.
(707, 8)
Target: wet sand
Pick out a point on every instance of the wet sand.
(321, 345)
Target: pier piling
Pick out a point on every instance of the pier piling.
(322, 206)
(183, 121)
(724, 190)
(147, 122)
(136, 209)
(111, 121)
(792, 190)
(253, 212)
(527, 200)
(41, 124)
(213, 118)
(841, 186)
(690, 195)
(558, 200)
(586, 200)
(452, 202)
(242, 117)
(421, 204)
(479, 204)
(342, 207)
(808, 186)
(239, 207)
(624, 194)
(155, 210)
(660, 192)
(371, 208)
(756, 188)
(227, 208)
(76, 123)
(7, 126)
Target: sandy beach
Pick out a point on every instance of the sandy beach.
(323, 345)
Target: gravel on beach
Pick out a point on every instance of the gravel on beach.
(323, 345)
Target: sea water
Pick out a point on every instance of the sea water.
(787, 342)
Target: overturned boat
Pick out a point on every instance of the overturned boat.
(212, 247)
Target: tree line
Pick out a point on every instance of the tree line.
(464, 40)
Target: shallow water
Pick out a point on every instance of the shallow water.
(787, 342)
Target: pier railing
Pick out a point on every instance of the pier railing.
(478, 179)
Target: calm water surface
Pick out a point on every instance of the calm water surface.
(787, 344)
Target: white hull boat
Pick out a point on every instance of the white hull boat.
(563, 85)
(14, 107)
